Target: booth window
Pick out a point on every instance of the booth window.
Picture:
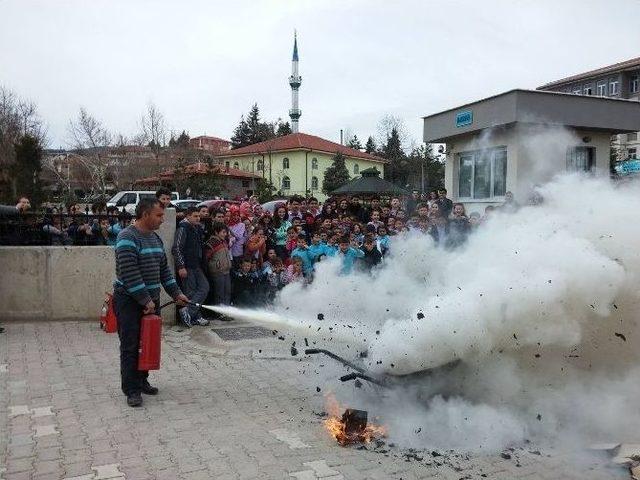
(286, 183)
(482, 174)
(314, 183)
(580, 159)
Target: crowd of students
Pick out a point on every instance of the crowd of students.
(242, 254)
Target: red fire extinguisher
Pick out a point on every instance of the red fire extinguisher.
(108, 319)
(150, 340)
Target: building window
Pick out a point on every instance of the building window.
(614, 87)
(245, 183)
(632, 137)
(356, 169)
(588, 90)
(634, 84)
(314, 183)
(259, 165)
(236, 165)
(227, 164)
(632, 153)
(314, 163)
(602, 88)
(577, 90)
(285, 163)
(483, 174)
(580, 159)
(286, 183)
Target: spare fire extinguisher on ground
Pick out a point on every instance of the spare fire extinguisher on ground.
(150, 340)
(108, 319)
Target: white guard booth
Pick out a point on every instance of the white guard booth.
(522, 138)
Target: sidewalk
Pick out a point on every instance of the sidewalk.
(233, 409)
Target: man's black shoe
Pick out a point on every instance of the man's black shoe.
(147, 389)
(134, 400)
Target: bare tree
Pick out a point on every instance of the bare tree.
(388, 123)
(154, 130)
(92, 140)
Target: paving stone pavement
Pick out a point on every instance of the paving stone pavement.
(222, 413)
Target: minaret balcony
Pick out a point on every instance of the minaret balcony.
(295, 82)
(295, 114)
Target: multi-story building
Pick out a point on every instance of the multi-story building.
(295, 164)
(214, 145)
(620, 80)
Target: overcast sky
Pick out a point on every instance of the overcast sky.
(204, 63)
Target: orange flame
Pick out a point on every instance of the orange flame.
(337, 428)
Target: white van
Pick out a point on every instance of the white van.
(128, 199)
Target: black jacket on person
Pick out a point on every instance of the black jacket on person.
(446, 205)
(371, 257)
(459, 229)
(187, 246)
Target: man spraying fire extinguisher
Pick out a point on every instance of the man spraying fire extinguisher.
(141, 269)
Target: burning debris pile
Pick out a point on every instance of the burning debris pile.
(352, 427)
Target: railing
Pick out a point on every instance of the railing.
(46, 228)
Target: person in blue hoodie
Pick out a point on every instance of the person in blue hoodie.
(305, 254)
(348, 255)
(318, 247)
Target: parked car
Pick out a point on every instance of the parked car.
(271, 206)
(128, 199)
(182, 205)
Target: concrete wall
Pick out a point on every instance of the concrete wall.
(55, 283)
(64, 283)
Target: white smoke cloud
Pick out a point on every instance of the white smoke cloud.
(540, 307)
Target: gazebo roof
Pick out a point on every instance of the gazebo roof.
(369, 183)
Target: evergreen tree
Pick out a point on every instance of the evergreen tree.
(283, 129)
(336, 175)
(252, 130)
(240, 136)
(183, 140)
(172, 141)
(354, 143)
(27, 168)
(396, 170)
(371, 146)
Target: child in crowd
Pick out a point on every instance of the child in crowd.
(294, 272)
(302, 251)
(292, 240)
(348, 253)
(372, 255)
(243, 285)
(383, 241)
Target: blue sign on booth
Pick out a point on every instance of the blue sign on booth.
(464, 118)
